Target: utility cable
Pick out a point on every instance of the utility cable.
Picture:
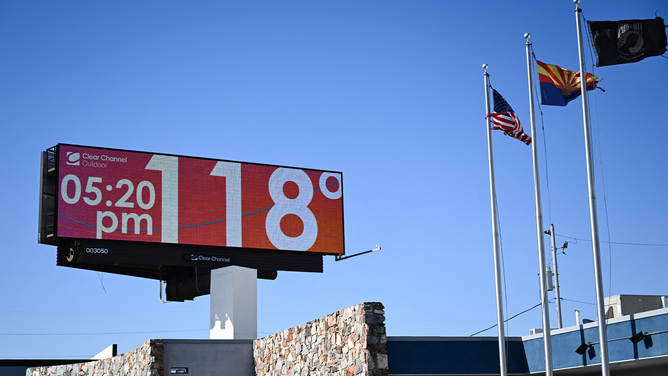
(97, 334)
(578, 301)
(510, 318)
(620, 243)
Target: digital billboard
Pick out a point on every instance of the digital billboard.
(121, 195)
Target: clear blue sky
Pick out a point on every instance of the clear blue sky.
(390, 93)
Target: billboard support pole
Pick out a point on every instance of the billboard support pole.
(233, 306)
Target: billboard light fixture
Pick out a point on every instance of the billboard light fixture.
(339, 257)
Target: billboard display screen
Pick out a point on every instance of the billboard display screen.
(114, 194)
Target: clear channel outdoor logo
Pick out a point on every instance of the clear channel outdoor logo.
(73, 159)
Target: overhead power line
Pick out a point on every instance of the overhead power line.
(510, 318)
(621, 243)
(96, 334)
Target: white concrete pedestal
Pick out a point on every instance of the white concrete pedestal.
(233, 309)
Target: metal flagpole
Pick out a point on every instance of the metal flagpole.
(556, 276)
(593, 215)
(495, 234)
(539, 224)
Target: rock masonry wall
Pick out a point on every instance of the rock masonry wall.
(349, 342)
(145, 360)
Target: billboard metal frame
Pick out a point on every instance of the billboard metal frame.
(173, 263)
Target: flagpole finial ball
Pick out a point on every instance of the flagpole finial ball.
(485, 66)
(527, 36)
(576, 2)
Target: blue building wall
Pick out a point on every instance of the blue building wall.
(452, 355)
(480, 355)
(565, 341)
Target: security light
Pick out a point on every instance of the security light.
(583, 347)
(639, 337)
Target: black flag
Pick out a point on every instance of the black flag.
(627, 41)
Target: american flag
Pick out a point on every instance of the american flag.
(504, 118)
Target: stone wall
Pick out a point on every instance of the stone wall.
(145, 360)
(349, 342)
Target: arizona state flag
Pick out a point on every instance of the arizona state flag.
(558, 86)
(627, 41)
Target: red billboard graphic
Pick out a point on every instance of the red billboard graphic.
(135, 196)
